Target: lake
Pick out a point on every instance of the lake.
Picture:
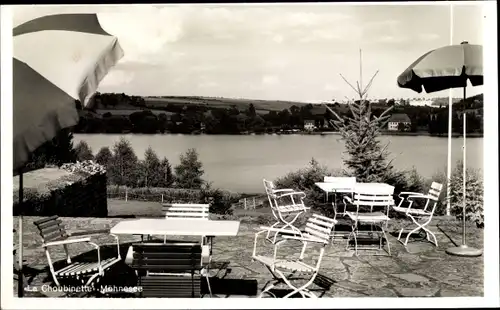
(240, 162)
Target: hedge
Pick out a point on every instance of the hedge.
(220, 201)
(54, 191)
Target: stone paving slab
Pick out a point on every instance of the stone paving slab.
(421, 270)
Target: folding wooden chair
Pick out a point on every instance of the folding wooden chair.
(345, 185)
(168, 270)
(189, 211)
(285, 212)
(53, 233)
(365, 215)
(285, 270)
(420, 217)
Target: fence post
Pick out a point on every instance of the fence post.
(245, 203)
(126, 193)
(161, 198)
(254, 202)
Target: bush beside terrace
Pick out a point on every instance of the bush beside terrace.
(72, 190)
(304, 179)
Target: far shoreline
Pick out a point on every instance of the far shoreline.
(316, 133)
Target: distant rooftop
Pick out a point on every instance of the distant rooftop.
(399, 118)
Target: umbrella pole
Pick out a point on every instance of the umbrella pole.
(20, 280)
(464, 250)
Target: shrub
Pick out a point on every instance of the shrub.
(474, 210)
(74, 194)
(304, 179)
(221, 202)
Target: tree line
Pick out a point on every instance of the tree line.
(122, 164)
(196, 118)
(124, 168)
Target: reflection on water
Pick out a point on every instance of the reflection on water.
(239, 163)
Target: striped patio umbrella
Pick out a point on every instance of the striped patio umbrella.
(57, 59)
(444, 68)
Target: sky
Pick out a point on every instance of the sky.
(275, 51)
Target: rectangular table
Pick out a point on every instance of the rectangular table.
(176, 227)
(334, 187)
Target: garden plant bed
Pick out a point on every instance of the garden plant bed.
(422, 270)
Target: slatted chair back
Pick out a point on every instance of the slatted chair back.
(186, 211)
(373, 199)
(170, 269)
(51, 229)
(433, 194)
(435, 191)
(270, 188)
(319, 228)
(271, 195)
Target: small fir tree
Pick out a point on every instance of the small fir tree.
(150, 169)
(167, 178)
(123, 169)
(104, 156)
(367, 158)
(188, 173)
(83, 151)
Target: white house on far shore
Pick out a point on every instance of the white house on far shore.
(309, 124)
(396, 119)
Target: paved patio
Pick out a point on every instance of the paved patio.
(421, 270)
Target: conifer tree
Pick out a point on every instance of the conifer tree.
(366, 157)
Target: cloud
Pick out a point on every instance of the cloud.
(330, 87)
(428, 36)
(210, 84)
(390, 39)
(117, 77)
(270, 79)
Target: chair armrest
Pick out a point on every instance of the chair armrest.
(409, 193)
(348, 199)
(309, 239)
(267, 228)
(292, 193)
(67, 241)
(283, 190)
(419, 196)
(89, 232)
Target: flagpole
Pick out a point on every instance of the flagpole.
(450, 117)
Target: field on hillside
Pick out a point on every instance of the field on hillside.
(241, 104)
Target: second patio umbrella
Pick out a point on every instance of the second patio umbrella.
(444, 68)
(57, 59)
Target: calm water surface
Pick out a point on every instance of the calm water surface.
(239, 163)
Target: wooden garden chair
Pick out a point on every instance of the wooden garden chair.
(420, 217)
(168, 270)
(284, 269)
(53, 234)
(286, 205)
(365, 214)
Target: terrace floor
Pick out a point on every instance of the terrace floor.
(419, 270)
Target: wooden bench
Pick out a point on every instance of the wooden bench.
(168, 270)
